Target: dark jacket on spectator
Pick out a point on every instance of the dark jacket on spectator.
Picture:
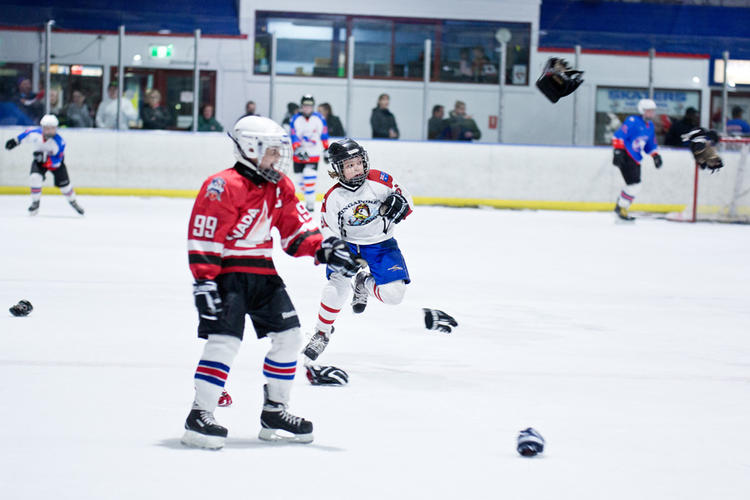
(335, 128)
(381, 121)
(437, 128)
(674, 136)
(459, 125)
(210, 125)
(155, 118)
(78, 116)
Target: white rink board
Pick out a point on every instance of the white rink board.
(625, 346)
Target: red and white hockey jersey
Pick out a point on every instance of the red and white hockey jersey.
(230, 226)
(353, 215)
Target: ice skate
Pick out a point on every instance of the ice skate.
(202, 431)
(622, 214)
(318, 343)
(359, 301)
(76, 207)
(280, 425)
(34, 207)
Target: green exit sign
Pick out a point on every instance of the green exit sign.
(162, 51)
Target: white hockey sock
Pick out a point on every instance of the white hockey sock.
(35, 182)
(280, 364)
(309, 178)
(69, 193)
(213, 370)
(390, 293)
(334, 295)
(628, 194)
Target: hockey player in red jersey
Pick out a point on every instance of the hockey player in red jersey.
(230, 254)
(362, 208)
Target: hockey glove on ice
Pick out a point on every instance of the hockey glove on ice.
(12, 143)
(394, 207)
(326, 375)
(300, 154)
(435, 319)
(207, 299)
(657, 160)
(336, 254)
(23, 308)
(530, 442)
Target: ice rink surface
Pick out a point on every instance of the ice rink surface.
(627, 347)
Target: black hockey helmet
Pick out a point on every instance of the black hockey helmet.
(307, 99)
(343, 150)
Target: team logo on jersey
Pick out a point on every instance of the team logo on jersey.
(383, 177)
(395, 267)
(360, 212)
(215, 189)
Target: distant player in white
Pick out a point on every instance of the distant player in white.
(309, 133)
(49, 156)
(362, 209)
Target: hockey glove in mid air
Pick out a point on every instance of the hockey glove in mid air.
(558, 80)
(12, 143)
(618, 157)
(657, 160)
(702, 144)
(435, 319)
(207, 299)
(326, 375)
(394, 207)
(300, 154)
(336, 254)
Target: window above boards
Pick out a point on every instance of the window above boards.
(391, 48)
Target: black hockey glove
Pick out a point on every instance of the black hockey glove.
(702, 144)
(300, 154)
(39, 157)
(326, 375)
(435, 319)
(326, 158)
(207, 299)
(618, 157)
(12, 143)
(657, 160)
(23, 308)
(558, 80)
(394, 207)
(336, 254)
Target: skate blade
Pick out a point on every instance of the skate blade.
(312, 355)
(196, 440)
(280, 436)
(618, 220)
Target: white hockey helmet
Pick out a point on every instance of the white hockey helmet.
(646, 104)
(252, 137)
(49, 121)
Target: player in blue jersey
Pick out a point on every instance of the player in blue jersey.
(634, 138)
(49, 155)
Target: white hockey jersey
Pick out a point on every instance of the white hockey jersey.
(311, 133)
(354, 215)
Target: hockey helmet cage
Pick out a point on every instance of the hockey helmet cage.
(307, 99)
(49, 121)
(645, 104)
(345, 149)
(253, 136)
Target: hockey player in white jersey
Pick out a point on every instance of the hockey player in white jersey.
(49, 156)
(362, 208)
(309, 133)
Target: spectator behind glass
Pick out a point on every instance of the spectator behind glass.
(737, 126)
(478, 63)
(249, 109)
(77, 113)
(437, 125)
(155, 116)
(106, 115)
(464, 65)
(55, 103)
(291, 110)
(206, 120)
(31, 103)
(689, 122)
(462, 127)
(335, 128)
(382, 121)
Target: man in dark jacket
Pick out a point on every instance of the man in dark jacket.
(689, 122)
(462, 126)
(382, 120)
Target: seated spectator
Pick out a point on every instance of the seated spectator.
(31, 103)
(291, 110)
(106, 115)
(737, 126)
(689, 122)
(479, 64)
(462, 127)
(155, 116)
(335, 128)
(437, 126)
(382, 121)
(206, 120)
(77, 113)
